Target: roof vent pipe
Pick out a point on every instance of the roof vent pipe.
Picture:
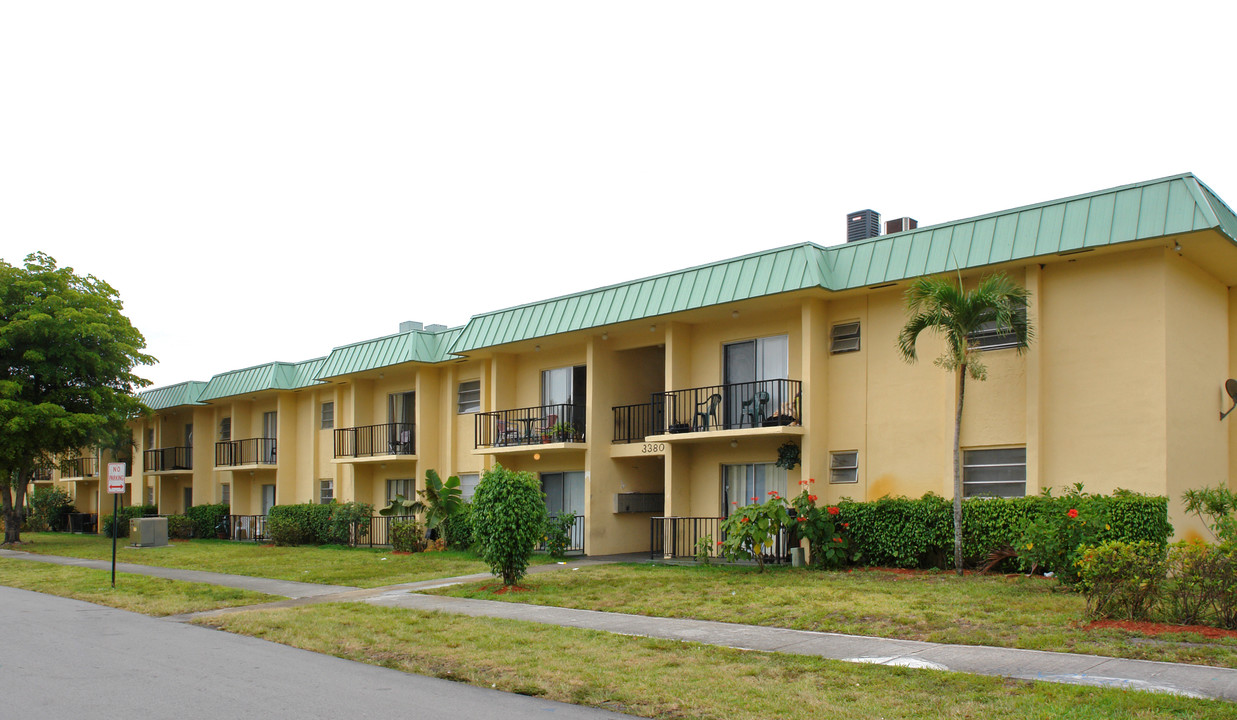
(409, 325)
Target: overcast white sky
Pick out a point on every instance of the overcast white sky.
(267, 180)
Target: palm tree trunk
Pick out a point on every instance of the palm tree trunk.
(958, 470)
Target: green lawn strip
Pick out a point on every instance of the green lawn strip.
(1020, 612)
(667, 679)
(332, 565)
(139, 593)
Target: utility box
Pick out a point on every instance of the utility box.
(639, 502)
(148, 532)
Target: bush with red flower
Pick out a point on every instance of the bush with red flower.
(751, 530)
(828, 542)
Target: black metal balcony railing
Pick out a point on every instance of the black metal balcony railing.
(79, 467)
(762, 403)
(530, 426)
(247, 527)
(172, 458)
(633, 423)
(41, 474)
(677, 537)
(252, 451)
(371, 440)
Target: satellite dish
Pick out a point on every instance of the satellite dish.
(1230, 387)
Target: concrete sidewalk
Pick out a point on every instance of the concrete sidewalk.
(1190, 680)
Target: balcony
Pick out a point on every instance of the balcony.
(559, 426)
(762, 407)
(41, 474)
(167, 459)
(82, 467)
(259, 452)
(376, 441)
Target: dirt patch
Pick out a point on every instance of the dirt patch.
(1151, 628)
(504, 589)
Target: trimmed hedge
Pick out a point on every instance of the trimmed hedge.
(179, 527)
(207, 519)
(311, 524)
(458, 529)
(904, 532)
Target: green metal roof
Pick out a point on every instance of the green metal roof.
(1141, 211)
(410, 346)
(765, 273)
(185, 393)
(271, 376)
(1155, 208)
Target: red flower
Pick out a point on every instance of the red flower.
(773, 493)
(719, 542)
(833, 510)
(846, 525)
(1073, 512)
(837, 539)
(811, 480)
(812, 498)
(801, 519)
(743, 520)
(755, 499)
(734, 502)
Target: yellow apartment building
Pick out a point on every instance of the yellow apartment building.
(669, 396)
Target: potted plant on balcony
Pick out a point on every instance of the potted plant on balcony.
(562, 432)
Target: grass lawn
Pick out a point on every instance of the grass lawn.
(360, 567)
(139, 593)
(666, 679)
(1033, 613)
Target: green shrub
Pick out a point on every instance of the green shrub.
(1193, 580)
(347, 523)
(314, 524)
(458, 528)
(750, 528)
(704, 549)
(558, 533)
(49, 509)
(206, 519)
(827, 535)
(1121, 579)
(1225, 599)
(407, 536)
(123, 516)
(898, 531)
(1217, 507)
(180, 527)
(508, 519)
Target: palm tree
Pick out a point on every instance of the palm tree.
(947, 309)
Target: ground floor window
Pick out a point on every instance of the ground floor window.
(326, 491)
(225, 495)
(744, 485)
(844, 466)
(564, 492)
(994, 472)
(468, 485)
(400, 487)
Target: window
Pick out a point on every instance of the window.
(844, 466)
(564, 492)
(844, 338)
(997, 472)
(225, 495)
(326, 492)
(150, 441)
(328, 415)
(400, 487)
(468, 485)
(741, 483)
(990, 336)
(150, 495)
(225, 430)
(470, 397)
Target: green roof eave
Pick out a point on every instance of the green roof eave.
(259, 378)
(411, 346)
(180, 394)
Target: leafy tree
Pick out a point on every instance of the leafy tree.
(440, 500)
(509, 517)
(67, 355)
(947, 309)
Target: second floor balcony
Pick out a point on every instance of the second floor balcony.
(367, 441)
(251, 451)
(746, 406)
(167, 459)
(539, 425)
(79, 467)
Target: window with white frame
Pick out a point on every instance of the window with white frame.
(225, 429)
(326, 491)
(468, 485)
(744, 485)
(400, 487)
(844, 466)
(469, 397)
(328, 415)
(994, 472)
(225, 494)
(844, 338)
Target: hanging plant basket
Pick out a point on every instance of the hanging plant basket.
(788, 456)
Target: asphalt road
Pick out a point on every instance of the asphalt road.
(66, 658)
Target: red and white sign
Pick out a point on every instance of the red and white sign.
(116, 478)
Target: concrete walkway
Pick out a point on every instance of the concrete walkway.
(1190, 680)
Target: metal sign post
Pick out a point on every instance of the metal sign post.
(115, 486)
